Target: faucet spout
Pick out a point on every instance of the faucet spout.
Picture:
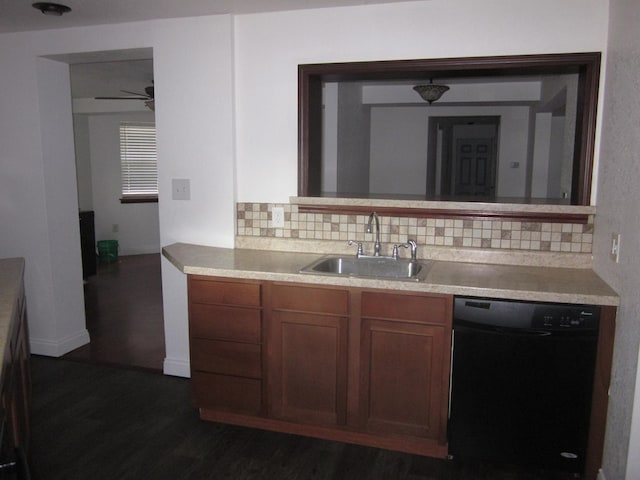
(376, 245)
(414, 249)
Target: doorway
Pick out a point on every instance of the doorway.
(462, 157)
(123, 300)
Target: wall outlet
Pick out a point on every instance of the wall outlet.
(181, 189)
(615, 247)
(277, 217)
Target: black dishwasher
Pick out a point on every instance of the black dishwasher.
(522, 381)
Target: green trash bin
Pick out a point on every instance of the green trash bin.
(108, 251)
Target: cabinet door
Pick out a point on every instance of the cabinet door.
(308, 355)
(405, 343)
(401, 385)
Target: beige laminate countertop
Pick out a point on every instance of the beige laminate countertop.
(11, 278)
(546, 284)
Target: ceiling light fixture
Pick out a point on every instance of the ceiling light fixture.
(430, 93)
(54, 9)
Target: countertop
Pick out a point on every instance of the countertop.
(11, 278)
(546, 284)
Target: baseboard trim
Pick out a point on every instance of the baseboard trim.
(177, 367)
(57, 348)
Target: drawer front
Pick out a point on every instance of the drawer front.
(229, 358)
(224, 293)
(237, 394)
(310, 299)
(225, 323)
(417, 308)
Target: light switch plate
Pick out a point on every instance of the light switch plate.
(181, 189)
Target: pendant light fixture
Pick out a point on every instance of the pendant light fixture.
(430, 92)
(53, 9)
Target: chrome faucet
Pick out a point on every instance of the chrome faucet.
(410, 244)
(376, 246)
(414, 249)
(360, 252)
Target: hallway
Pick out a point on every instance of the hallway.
(123, 305)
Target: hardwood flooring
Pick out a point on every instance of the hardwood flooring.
(123, 307)
(96, 422)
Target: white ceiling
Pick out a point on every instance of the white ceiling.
(19, 15)
(107, 73)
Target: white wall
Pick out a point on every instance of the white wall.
(618, 200)
(410, 142)
(330, 137)
(567, 86)
(558, 150)
(38, 196)
(399, 133)
(138, 229)
(65, 329)
(541, 155)
(83, 162)
(353, 146)
(267, 59)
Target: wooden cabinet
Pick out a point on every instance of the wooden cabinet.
(355, 365)
(15, 388)
(307, 340)
(225, 330)
(404, 364)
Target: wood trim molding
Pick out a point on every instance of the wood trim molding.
(600, 398)
(468, 214)
(311, 76)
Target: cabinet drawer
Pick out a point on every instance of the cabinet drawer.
(237, 394)
(310, 299)
(229, 358)
(225, 323)
(416, 308)
(224, 293)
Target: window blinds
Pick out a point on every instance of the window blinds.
(138, 160)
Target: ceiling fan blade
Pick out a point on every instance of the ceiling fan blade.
(121, 98)
(134, 93)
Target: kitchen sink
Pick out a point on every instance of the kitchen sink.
(368, 266)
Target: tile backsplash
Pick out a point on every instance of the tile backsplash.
(254, 220)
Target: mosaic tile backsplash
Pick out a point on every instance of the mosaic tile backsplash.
(254, 220)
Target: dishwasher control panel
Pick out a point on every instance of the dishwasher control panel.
(565, 317)
(526, 315)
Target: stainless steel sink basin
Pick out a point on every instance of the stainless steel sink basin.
(373, 267)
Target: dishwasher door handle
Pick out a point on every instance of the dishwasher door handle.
(462, 326)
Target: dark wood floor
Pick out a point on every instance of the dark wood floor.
(95, 422)
(123, 305)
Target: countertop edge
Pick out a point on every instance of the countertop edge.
(237, 263)
(11, 281)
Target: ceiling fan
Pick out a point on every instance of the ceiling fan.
(147, 97)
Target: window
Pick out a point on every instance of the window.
(138, 162)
